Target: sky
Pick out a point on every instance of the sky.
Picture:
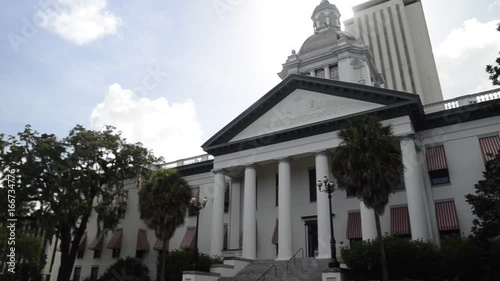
(170, 74)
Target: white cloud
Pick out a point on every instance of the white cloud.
(462, 57)
(80, 21)
(493, 6)
(172, 130)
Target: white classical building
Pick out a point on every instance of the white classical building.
(260, 171)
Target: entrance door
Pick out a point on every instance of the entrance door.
(312, 238)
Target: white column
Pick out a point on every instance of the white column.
(249, 223)
(368, 226)
(414, 191)
(322, 170)
(234, 215)
(327, 72)
(217, 237)
(312, 73)
(285, 211)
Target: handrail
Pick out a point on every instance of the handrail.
(293, 257)
(263, 276)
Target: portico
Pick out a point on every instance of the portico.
(282, 152)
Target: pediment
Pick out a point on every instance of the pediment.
(303, 107)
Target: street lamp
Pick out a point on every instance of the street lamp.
(197, 207)
(328, 187)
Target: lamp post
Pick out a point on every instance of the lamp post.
(197, 206)
(328, 187)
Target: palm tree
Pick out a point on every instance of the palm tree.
(164, 199)
(368, 163)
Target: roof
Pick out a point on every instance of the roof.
(396, 104)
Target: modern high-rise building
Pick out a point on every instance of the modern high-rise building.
(397, 35)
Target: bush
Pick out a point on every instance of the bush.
(129, 269)
(457, 259)
(182, 260)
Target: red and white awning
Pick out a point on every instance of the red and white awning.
(436, 158)
(142, 241)
(490, 147)
(446, 214)
(97, 243)
(116, 241)
(400, 221)
(159, 245)
(275, 239)
(189, 239)
(354, 225)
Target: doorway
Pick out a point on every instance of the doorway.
(312, 238)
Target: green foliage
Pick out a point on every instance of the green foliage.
(129, 269)
(457, 259)
(183, 260)
(486, 204)
(60, 179)
(28, 255)
(367, 162)
(494, 71)
(164, 199)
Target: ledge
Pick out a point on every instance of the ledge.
(201, 273)
(239, 259)
(221, 266)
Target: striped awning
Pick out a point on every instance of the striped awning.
(275, 239)
(436, 158)
(490, 147)
(142, 241)
(400, 221)
(446, 214)
(354, 225)
(189, 239)
(97, 243)
(83, 242)
(159, 245)
(116, 241)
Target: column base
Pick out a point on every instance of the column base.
(333, 275)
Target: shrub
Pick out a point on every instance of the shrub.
(182, 260)
(129, 269)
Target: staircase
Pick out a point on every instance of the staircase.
(305, 269)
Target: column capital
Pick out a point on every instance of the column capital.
(219, 171)
(325, 152)
(250, 165)
(409, 137)
(284, 159)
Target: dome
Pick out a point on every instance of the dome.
(319, 41)
(324, 39)
(324, 5)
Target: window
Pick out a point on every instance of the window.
(97, 254)
(139, 254)
(80, 254)
(94, 273)
(121, 213)
(334, 72)
(437, 166)
(195, 193)
(116, 253)
(312, 185)
(76, 274)
(277, 191)
(490, 147)
(226, 198)
(401, 185)
(320, 73)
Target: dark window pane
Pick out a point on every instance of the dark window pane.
(439, 177)
(77, 273)
(80, 254)
(312, 185)
(139, 254)
(97, 254)
(116, 253)
(226, 198)
(277, 189)
(94, 273)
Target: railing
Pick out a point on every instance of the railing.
(293, 258)
(462, 101)
(188, 161)
(263, 276)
